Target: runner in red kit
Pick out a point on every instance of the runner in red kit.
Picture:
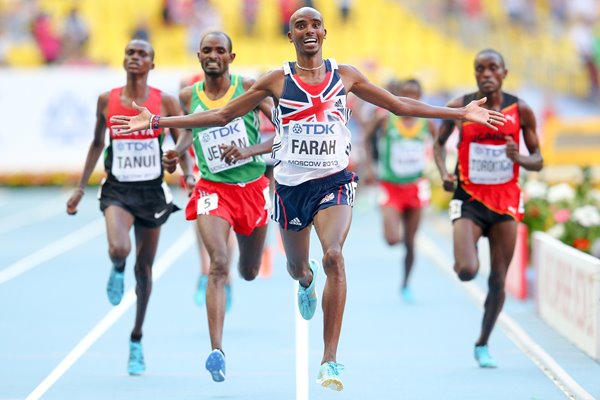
(133, 193)
(487, 199)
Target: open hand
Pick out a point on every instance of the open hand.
(490, 118)
(127, 124)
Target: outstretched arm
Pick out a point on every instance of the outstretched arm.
(94, 152)
(218, 117)
(358, 84)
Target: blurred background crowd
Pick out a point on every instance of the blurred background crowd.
(554, 44)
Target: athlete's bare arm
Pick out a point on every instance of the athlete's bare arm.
(172, 107)
(233, 153)
(373, 126)
(357, 83)
(94, 152)
(265, 106)
(439, 147)
(534, 161)
(269, 85)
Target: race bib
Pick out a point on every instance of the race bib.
(489, 165)
(207, 203)
(455, 209)
(136, 160)
(234, 133)
(316, 144)
(407, 157)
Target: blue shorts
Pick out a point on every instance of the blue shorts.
(294, 207)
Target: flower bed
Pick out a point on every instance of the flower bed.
(568, 213)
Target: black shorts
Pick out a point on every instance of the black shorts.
(463, 205)
(150, 204)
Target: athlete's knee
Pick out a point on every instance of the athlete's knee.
(466, 272)
(219, 265)
(297, 269)
(333, 262)
(119, 251)
(392, 240)
(249, 271)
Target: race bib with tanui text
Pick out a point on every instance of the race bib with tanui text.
(407, 157)
(316, 144)
(489, 165)
(234, 133)
(136, 159)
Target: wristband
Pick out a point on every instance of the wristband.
(187, 176)
(154, 122)
(150, 121)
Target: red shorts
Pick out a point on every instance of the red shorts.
(244, 206)
(401, 196)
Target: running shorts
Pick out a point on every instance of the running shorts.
(150, 204)
(244, 205)
(401, 196)
(464, 206)
(294, 207)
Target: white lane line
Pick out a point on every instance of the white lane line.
(181, 245)
(301, 351)
(528, 346)
(52, 250)
(30, 216)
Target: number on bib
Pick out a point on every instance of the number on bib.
(207, 203)
(455, 209)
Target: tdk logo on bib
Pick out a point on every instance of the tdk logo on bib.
(493, 152)
(216, 133)
(134, 146)
(313, 129)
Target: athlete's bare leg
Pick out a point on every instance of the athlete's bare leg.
(465, 235)
(215, 233)
(503, 237)
(392, 225)
(332, 226)
(251, 249)
(118, 223)
(410, 221)
(146, 245)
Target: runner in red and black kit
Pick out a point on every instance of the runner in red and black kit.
(487, 198)
(133, 193)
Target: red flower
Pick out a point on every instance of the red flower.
(534, 212)
(582, 244)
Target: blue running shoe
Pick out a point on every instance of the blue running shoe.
(227, 297)
(115, 286)
(307, 297)
(329, 376)
(482, 355)
(215, 364)
(407, 295)
(136, 359)
(200, 295)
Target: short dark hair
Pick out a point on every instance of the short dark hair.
(146, 43)
(226, 36)
(494, 52)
